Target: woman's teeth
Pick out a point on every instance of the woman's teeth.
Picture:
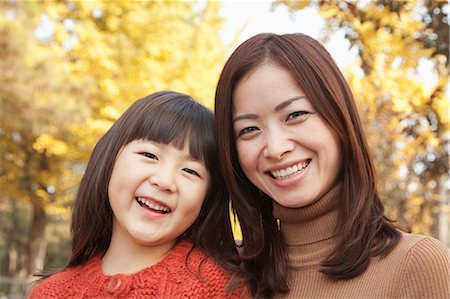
(285, 173)
(152, 205)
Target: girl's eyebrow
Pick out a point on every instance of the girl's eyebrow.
(143, 140)
(188, 157)
(276, 109)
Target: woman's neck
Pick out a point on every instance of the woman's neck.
(125, 257)
(312, 223)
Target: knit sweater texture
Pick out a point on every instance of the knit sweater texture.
(169, 278)
(418, 267)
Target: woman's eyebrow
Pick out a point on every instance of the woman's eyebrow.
(244, 116)
(276, 109)
(287, 103)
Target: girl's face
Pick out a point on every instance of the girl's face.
(156, 192)
(284, 146)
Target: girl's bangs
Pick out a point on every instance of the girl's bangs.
(175, 125)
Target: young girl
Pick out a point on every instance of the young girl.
(151, 210)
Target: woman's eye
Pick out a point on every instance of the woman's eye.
(247, 130)
(191, 171)
(149, 155)
(297, 114)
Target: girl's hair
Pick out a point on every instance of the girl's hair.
(364, 231)
(169, 118)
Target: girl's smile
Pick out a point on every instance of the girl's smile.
(153, 205)
(156, 192)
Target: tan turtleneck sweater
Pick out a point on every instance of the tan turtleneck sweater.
(418, 267)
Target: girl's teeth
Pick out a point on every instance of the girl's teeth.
(152, 205)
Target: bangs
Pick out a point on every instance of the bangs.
(176, 122)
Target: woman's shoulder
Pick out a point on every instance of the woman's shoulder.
(420, 245)
(422, 252)
(426, 265)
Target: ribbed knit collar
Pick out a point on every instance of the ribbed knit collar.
(312, 223)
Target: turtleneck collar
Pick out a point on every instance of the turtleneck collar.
(312, 223)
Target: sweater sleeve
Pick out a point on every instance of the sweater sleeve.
(217, 281)
(40, 291)
(427, 272)
(54, 287)
(241, 292)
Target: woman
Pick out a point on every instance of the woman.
(303, 184)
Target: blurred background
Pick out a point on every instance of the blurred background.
(70, 68)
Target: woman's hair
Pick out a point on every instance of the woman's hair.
(169, 118)
(364, 231)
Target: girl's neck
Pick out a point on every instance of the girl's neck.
(125, 257)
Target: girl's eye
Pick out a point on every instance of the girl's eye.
(149, 155)
(191, 171)
(297, 114)
(247, 130)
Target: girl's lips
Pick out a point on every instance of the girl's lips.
(153, 205)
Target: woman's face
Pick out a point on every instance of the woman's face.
(284, 146)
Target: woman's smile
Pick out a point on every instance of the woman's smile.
(284, 146)
(290, 171)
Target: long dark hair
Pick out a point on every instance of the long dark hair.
(165, 117)
(364, 230)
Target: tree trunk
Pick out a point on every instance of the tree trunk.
(444, 211)
(11, 241)
(37, 243)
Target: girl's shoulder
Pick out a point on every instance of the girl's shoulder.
(194, 260)
(202, 276)
(68, 282)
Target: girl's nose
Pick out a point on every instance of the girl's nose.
(164, 181)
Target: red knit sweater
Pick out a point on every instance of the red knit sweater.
(170, 278)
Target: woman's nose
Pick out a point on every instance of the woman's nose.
(277, 144)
